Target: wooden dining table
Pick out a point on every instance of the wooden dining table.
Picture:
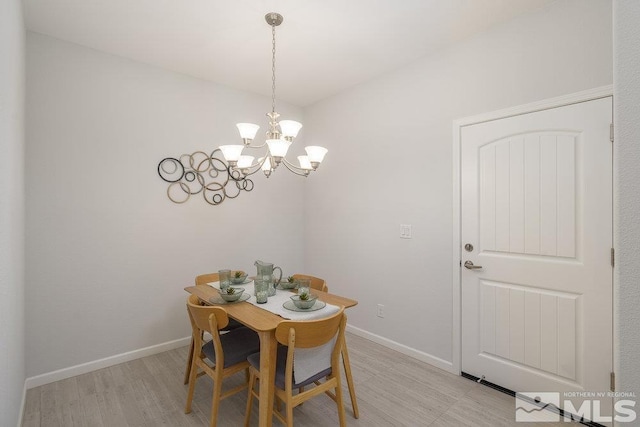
(264, 323)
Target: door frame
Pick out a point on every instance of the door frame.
(456, 255)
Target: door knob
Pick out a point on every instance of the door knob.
(470, 266)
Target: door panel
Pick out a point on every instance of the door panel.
(528, 196)
(536, 206)
(513, 319)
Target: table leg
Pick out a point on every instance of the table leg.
(268, 347)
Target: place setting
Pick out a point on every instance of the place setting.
(230, 287)
(304, 300)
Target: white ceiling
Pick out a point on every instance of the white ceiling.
(323, 46)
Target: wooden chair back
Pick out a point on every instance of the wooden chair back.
(206, 318)
(314, 282)
(310, 333)
(203, 279)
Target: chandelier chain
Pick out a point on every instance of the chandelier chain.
(273, 68)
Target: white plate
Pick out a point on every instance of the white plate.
(217, 299)
(289, 305)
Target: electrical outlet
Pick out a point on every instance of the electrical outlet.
(380, 310)
(405, 231)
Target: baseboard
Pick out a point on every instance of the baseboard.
(83, 368)
(411, 352)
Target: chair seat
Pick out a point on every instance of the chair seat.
(281, 362)
(233, 324)
(237, 344)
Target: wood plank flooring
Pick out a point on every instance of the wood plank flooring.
(392, 389)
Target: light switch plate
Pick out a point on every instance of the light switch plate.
(405, 231)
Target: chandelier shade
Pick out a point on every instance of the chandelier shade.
(231, 153)
(290, 128)
(316, 154)
(278, 147)
(245, 162)
(247, 130)
(305, 163)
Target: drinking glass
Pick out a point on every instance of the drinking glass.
(261, 290)
(303, 286)
(224, 276)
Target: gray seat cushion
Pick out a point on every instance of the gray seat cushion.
(237, 345)
(281, 363)
(233, 324)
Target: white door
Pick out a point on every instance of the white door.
(537, 209)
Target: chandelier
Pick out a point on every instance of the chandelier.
(226, 172)
(279, 137)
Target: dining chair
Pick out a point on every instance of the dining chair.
(314, 282)
(227, 353)
(297, 337)
(321, 285)
(203, 279)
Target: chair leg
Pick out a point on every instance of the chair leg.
(347, 370)
(187, 371)
(252, 383)
(192, 383)
(339, 402)
(215, 401)
(289, 411)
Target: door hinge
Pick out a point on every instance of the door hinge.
(460, 263)
(613, 257)
(613, 381)
(611, 132)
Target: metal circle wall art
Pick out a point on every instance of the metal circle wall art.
(199, 173)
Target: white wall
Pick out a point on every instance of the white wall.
(390, 162)
(12, 322)
(626, 62)
(107, 253)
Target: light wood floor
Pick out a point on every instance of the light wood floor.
(393, 390)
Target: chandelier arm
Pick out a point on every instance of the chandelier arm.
(292, 168)
(252, 172)
(257, 146)
(286, 162)
(257, 166)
